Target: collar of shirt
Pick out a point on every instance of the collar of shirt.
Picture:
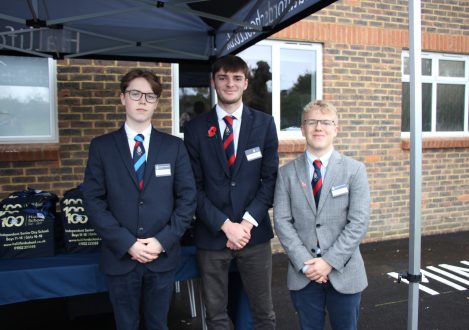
(236, 123)
(310, 158)
(131, 135)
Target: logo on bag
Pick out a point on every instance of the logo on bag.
(76, 219)
(73, 217)
(12, 221)
(73, 201)
(12, 206)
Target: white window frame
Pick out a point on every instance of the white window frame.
(175, 99)
(434, 80)
(276, 46)
(53, 137)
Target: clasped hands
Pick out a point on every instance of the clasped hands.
(145, 250)
(238, 234)
(318, 270)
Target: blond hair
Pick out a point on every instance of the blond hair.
(321, 106)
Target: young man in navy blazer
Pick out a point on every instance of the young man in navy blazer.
(139, 193)
(233, 151)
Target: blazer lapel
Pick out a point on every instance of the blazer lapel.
(215, 142)
(303, 177)
(152, 154)
(123, 146)
(332, 171)
(244, 132)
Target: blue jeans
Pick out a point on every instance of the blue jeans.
(312, 301)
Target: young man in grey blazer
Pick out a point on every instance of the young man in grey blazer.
(321, 214)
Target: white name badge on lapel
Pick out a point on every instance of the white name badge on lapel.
(339, 190)
(253, 153)
(163, 170)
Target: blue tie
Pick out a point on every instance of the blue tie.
(139, 159)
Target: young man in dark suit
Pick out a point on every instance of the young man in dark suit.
(139, 193)
(233, 151)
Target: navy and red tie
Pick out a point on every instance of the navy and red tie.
(228, 140)
(139, 159)
(316, 182)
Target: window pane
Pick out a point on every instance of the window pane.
(297, 85)
(426, 107)
(450, 107)
(193, 101)
(426, 66)
(258, 95)
(25, 109)
(451, 68)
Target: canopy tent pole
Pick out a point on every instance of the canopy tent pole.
(415, 43)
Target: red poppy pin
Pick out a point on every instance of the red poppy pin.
(212, 131)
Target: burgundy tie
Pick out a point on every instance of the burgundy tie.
(316, 182)
(228, 140)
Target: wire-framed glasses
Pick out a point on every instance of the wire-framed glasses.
(315, 122)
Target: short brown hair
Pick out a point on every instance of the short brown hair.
(149, 76)
(321, 106)
(230, 63)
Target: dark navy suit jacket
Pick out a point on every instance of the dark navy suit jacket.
(121, 213)
(227, 194)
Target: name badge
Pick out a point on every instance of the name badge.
(163, 170)
(339, 190)
(253, 153)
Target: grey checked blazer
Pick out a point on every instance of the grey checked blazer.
(340, 222)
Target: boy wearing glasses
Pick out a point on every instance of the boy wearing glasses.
(321, 213)
(139, 194)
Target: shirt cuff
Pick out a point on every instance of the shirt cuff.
(304, 269)
(249, 218)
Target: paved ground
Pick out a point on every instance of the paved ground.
(384, 302)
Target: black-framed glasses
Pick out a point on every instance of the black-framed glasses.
(136, 95)
(315, 122)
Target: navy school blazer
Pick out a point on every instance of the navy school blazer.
(120, 213)
(227, 194)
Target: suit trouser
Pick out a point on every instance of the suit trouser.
(255, 268)
(152, 289)
(312, 301)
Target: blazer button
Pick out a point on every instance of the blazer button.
(140, 203)
(233, 184)
(318, 225)
(140, 229)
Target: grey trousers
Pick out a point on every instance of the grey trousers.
(255, 267)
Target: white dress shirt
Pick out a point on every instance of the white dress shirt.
(310, 158)
(236, 123)
(131, 135)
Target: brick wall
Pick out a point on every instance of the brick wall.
(362, 41)
(88, 105)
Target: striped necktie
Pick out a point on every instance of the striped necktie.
(316, 182)
(228, 140)
(139, 159)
